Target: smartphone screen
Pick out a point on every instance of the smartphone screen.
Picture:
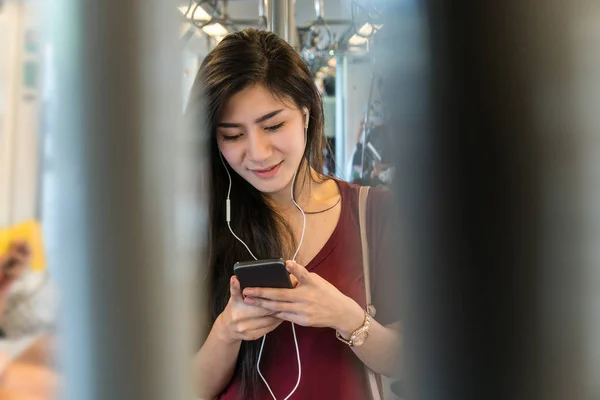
(263, 273)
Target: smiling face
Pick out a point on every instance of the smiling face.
(262, 138)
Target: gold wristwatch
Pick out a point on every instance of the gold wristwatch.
(358, 337)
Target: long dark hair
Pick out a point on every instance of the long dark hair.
(241, 60)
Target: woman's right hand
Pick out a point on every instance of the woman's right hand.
(245, 322)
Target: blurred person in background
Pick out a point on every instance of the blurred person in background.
(378, 158)
(31, 374)
(264, 115)
(13, 264)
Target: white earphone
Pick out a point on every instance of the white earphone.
(228, 220)
(306, 120)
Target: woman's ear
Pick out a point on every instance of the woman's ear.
(306, 117)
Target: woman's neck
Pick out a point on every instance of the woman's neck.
(305, 183)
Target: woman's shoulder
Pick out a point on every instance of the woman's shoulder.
(378, 197)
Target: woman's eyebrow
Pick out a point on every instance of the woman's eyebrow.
(258, 120)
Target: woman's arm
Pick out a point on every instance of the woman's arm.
(316, 302)
(381, 351)
(215, 362)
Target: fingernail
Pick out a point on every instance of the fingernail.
(249, 300)
(232, 280)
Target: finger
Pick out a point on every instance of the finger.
(249, 311)
(270, 293)
(298, 271)
(297, 319)
(234, 288)
(294, 281)
(261, 323)
(274, 306)
(258, 333)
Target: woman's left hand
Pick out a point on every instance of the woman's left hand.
(313, 302)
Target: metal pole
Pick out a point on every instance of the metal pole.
(125, 327)
(280, 17)
(263, 6)
(294, 37)
(320, 8)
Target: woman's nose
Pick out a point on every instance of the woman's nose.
(259, 146)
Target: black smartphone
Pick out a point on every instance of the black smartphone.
(263, 273)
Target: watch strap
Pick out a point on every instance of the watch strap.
(351, 341)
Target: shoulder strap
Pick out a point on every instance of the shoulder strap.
(362, 219)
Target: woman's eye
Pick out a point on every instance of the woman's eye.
(231, 138)
(274, 127)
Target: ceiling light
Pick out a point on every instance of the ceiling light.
(199, 15)
(215, 30)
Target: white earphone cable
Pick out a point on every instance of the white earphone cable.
(228, 209)
(293, 326)
(228, 218)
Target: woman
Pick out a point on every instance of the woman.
(265, 119)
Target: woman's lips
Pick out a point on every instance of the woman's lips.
(267, 172)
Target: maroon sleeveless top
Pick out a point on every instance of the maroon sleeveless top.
(330, 370)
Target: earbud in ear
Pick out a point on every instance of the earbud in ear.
(306, 117)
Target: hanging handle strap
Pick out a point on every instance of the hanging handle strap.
(362, 218)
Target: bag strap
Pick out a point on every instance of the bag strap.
(362, 218)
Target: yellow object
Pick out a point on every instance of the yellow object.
(30, 231)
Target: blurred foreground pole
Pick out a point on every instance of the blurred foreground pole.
(495, 106)
(115, 125)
